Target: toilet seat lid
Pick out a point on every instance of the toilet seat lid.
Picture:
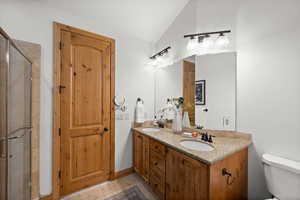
(282, 163)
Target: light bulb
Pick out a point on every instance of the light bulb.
(192, 44)
(222, 41)
(159, 61)
(165, 60)
(152, 62)
(207, 42)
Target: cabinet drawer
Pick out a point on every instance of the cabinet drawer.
(157, 147)
(157, 162)
(157, 183)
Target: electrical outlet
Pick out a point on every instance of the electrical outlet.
(226, 121)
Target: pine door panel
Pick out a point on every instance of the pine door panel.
(87, 87)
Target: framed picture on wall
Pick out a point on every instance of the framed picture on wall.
(200, 92)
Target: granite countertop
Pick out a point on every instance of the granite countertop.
(225, 143)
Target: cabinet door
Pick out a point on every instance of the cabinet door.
(141, 155)
(145, 161)
(174, 176)
(138, 153)
(186, 178)
(232, 187)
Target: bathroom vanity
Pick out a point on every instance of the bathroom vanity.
(182, 168)
(175, 172)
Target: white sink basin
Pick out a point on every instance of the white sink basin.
(196, 145)
(150, 130)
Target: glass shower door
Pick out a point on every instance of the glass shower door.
(19, 126)
(3, 119)
(15, 122)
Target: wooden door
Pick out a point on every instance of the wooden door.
(186, 179)
(85, 110)
(189, 89)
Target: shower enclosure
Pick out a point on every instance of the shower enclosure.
(15, 121)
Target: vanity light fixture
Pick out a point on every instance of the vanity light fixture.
(161, 59)
(161, 53)
(205, 41)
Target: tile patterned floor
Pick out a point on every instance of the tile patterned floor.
(108, 189)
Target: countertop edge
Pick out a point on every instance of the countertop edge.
(194, 156)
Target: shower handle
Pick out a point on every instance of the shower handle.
(2, 146)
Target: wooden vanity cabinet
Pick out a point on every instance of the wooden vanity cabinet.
(175, 176)
(141, 155)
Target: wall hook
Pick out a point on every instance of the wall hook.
(120, 103)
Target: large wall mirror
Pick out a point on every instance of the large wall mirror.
(208, 85)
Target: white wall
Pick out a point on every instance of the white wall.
(266, 38)
(184, 23)
(219, 72)
(32, 22)
(268, 61)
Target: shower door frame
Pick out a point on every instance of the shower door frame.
(10, 42)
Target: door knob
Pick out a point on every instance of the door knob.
(104, 130)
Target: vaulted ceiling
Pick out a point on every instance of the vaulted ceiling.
(144, 19)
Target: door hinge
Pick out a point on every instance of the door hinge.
(60, 88)
(59, 174)
(61, 45)
(59, 131)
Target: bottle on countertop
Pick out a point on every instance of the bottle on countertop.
(186, 120)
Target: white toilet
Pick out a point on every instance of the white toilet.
(282, 176)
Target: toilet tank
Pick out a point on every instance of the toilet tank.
(282, 176)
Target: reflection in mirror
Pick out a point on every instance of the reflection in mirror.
(208, 85)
